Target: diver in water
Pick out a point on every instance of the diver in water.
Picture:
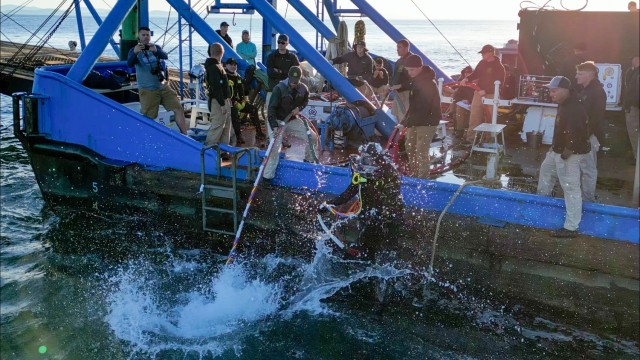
(380, 213)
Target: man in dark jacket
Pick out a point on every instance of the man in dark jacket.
(488, 70)
(400, 81)
(224, 33)
(569, 146)
(376, 185)
(287, 101)
(360, 67)
(279, 62)
(592, 96)
(219, 94)
(423, 116)
(632, 102)
(236, 86)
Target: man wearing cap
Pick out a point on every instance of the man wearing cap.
(236, 86)
(423, 115)
(246, 49)
(488, 70)
(360, 67)
(278, 64)
(591, 94)
(224, 28)
(401, 81)
(569, 146)
(289, 97)
(219, 94)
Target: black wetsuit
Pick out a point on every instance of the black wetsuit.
(381, 220)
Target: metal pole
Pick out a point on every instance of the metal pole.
(81, 68)
(83, 42)
(98, 20)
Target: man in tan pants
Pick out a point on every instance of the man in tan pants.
(423, 115)
(488, 70)
(219, 98)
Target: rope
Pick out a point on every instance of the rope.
(29, 56)
(435, 238)
(440, 32)
(269, 152)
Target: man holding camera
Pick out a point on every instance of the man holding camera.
(152, 85)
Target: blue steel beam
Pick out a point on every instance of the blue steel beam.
(143, 13)
(98, 42)
(312, 55)
(312, 19)
(83, 42)
(334, 19)
(396, 36)
(268, 40)
(204, 30)
(98, 20)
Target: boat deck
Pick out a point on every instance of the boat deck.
(517, 171)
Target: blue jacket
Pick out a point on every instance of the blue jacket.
(248, 51)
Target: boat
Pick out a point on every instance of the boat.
(90, 151)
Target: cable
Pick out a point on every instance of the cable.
(440, 32)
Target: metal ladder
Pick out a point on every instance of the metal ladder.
(225, 190)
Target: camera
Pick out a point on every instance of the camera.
(158, 73)
(145, 46)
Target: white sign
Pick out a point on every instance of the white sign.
(610, 76)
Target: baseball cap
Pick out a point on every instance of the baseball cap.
(224, 23)
(559, 82)
(231, 61)
(294, 74)
(283, 37)
(487, 48)
(245, 31)
(413, 61)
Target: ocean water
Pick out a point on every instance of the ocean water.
(77, 285)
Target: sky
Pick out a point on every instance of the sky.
(406, 9)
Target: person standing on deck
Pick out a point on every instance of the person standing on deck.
(591, 94)
(570, 144)
(488, 70)
(224, 33)
(219, 98)
(423, 115)
(289, 98)
(400, 81)
(380, 79)
(152, 86)
(236, 86)
(246, 49)
(359, 67)
(278, 64)
(632, 103)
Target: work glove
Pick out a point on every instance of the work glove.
(400, 127)
(240, 106)
(566, 153)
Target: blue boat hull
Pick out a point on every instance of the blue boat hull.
(70, 113)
